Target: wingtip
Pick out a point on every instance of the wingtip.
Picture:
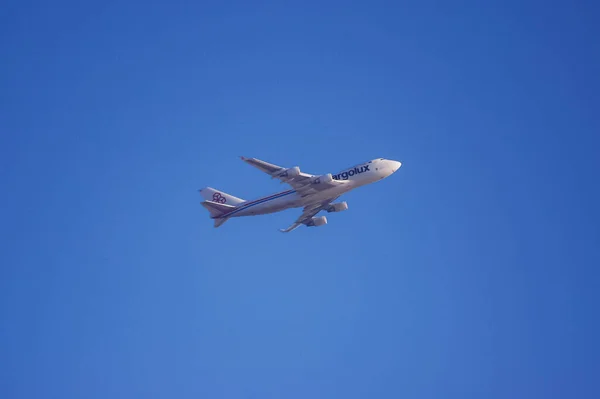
(291, 228)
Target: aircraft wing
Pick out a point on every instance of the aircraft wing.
(307, 213)
(303, 183)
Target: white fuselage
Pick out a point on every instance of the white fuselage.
(357, 176)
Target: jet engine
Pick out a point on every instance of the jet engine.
(317, 221)
(322, 179)
(291, 172)
(338, 207)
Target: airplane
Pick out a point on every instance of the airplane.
(314, 193)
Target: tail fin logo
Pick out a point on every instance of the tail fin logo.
(217, 197)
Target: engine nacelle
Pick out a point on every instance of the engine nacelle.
(317, 221)
(340, 206)
(291, 172)
(328, 178)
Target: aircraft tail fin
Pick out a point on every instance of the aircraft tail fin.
(210, 194)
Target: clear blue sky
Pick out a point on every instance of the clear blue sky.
(470, 273)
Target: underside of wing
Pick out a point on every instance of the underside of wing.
(307, 215)
(292, 176)
(304, 183)
(266, 167)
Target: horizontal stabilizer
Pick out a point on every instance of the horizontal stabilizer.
(216, 209)
(220, 221)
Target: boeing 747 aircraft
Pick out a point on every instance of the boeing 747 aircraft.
(314, 193)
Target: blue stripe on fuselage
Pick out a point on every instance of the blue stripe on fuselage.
(256, 203)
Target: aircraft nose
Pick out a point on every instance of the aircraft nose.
(395, 165)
